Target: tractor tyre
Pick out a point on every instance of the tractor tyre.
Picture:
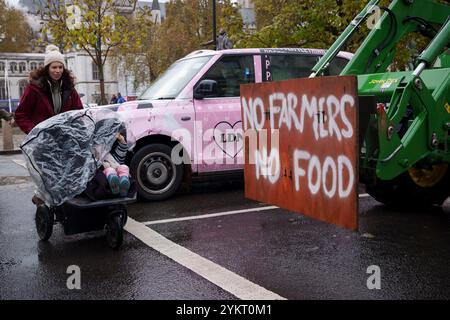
(418, 187)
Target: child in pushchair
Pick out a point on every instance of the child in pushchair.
(65, 156)
(116, 172)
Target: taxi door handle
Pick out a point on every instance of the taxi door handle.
(185, 118)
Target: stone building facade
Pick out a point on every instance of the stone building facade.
(14, 71)
(19, 66)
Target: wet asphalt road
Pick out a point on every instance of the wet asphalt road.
(286, 253)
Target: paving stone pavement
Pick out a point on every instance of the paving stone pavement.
(13, 170)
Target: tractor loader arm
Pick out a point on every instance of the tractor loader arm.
(404, 121)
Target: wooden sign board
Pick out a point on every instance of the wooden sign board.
(301, 146)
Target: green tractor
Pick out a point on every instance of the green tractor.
(404, 117)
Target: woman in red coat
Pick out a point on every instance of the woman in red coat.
(51, 91)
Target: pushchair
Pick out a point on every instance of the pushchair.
(63, 155)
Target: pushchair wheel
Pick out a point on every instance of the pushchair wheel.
(44, 222)
(114, 231)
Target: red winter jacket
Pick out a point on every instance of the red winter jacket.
(36, 105)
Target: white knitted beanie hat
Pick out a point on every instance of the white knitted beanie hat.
(52, 54)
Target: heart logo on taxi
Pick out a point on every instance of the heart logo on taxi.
(229, 138)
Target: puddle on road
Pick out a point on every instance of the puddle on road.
(14, 180)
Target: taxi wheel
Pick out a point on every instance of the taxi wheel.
(156, 176)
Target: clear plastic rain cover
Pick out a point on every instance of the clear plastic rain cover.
(64, 152)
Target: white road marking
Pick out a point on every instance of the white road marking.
(221, 277)
(364, 195)
(211, 215)
(20, 163)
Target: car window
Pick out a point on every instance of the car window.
(336, 66)
(174, 79)
(229, 73)
(285, 67)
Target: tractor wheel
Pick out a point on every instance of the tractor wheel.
(416, 187)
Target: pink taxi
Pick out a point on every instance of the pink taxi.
(187, 124)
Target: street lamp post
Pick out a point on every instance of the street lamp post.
(214, 24)
(7, 87)
(8, 143)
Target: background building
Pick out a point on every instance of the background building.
(156, 12)
(19, 66)
(87, 77)
(14, 71)
(246, 4)
(247, 11)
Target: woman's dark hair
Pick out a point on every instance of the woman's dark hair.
(44, 74)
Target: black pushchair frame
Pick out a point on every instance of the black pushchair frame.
(81, 214)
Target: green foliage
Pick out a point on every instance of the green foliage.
(186, 28)
(317, 24)
(15, 32)
(301, 23)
